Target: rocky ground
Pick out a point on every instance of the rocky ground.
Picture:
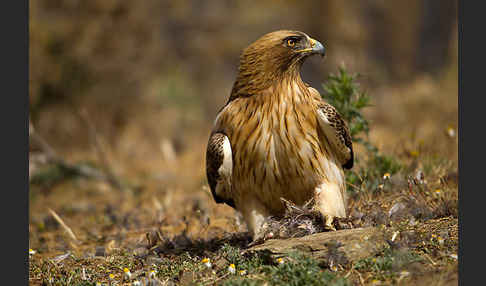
(130, 206)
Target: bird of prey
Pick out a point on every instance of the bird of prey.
(276, 137)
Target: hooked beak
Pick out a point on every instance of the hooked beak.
(318, 48)
(315, 48)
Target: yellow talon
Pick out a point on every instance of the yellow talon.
(328, 224)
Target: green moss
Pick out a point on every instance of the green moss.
(388, 264)
(298, 269)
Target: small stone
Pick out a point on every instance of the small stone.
(100, 251)
(140, 251)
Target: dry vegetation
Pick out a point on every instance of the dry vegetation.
(122, 98)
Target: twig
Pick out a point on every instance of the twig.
(430, 259)
(354, 186)
(50, 153)
(361, 280)
(217, 279)
(289, 205)
(95, 138)
(350, 271)
(100, 151)
(81, 170)
(52, 157)
(61, 222)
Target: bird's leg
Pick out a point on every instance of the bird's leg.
(254, 214)
(330, 202)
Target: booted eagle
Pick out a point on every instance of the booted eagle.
(276, 138)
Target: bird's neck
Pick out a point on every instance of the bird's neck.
(290, 88)
(257, 82)
(291, 79)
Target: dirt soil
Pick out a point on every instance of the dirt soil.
(82, 230)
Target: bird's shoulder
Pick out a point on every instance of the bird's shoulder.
(329, 110)
(315, 95)
(335, 127)
(237, 108)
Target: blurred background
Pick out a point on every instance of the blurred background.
(136, 85)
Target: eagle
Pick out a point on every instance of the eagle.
(277, 138)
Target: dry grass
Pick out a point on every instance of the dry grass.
(131, 89)
(169, 195)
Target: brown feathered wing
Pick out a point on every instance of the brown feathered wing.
(336, 131)
(219, 168)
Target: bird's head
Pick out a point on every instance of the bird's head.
(283, 48)
(275, 55)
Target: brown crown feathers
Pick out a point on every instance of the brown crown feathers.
(272, 57)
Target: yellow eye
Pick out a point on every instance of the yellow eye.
(290, 42)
